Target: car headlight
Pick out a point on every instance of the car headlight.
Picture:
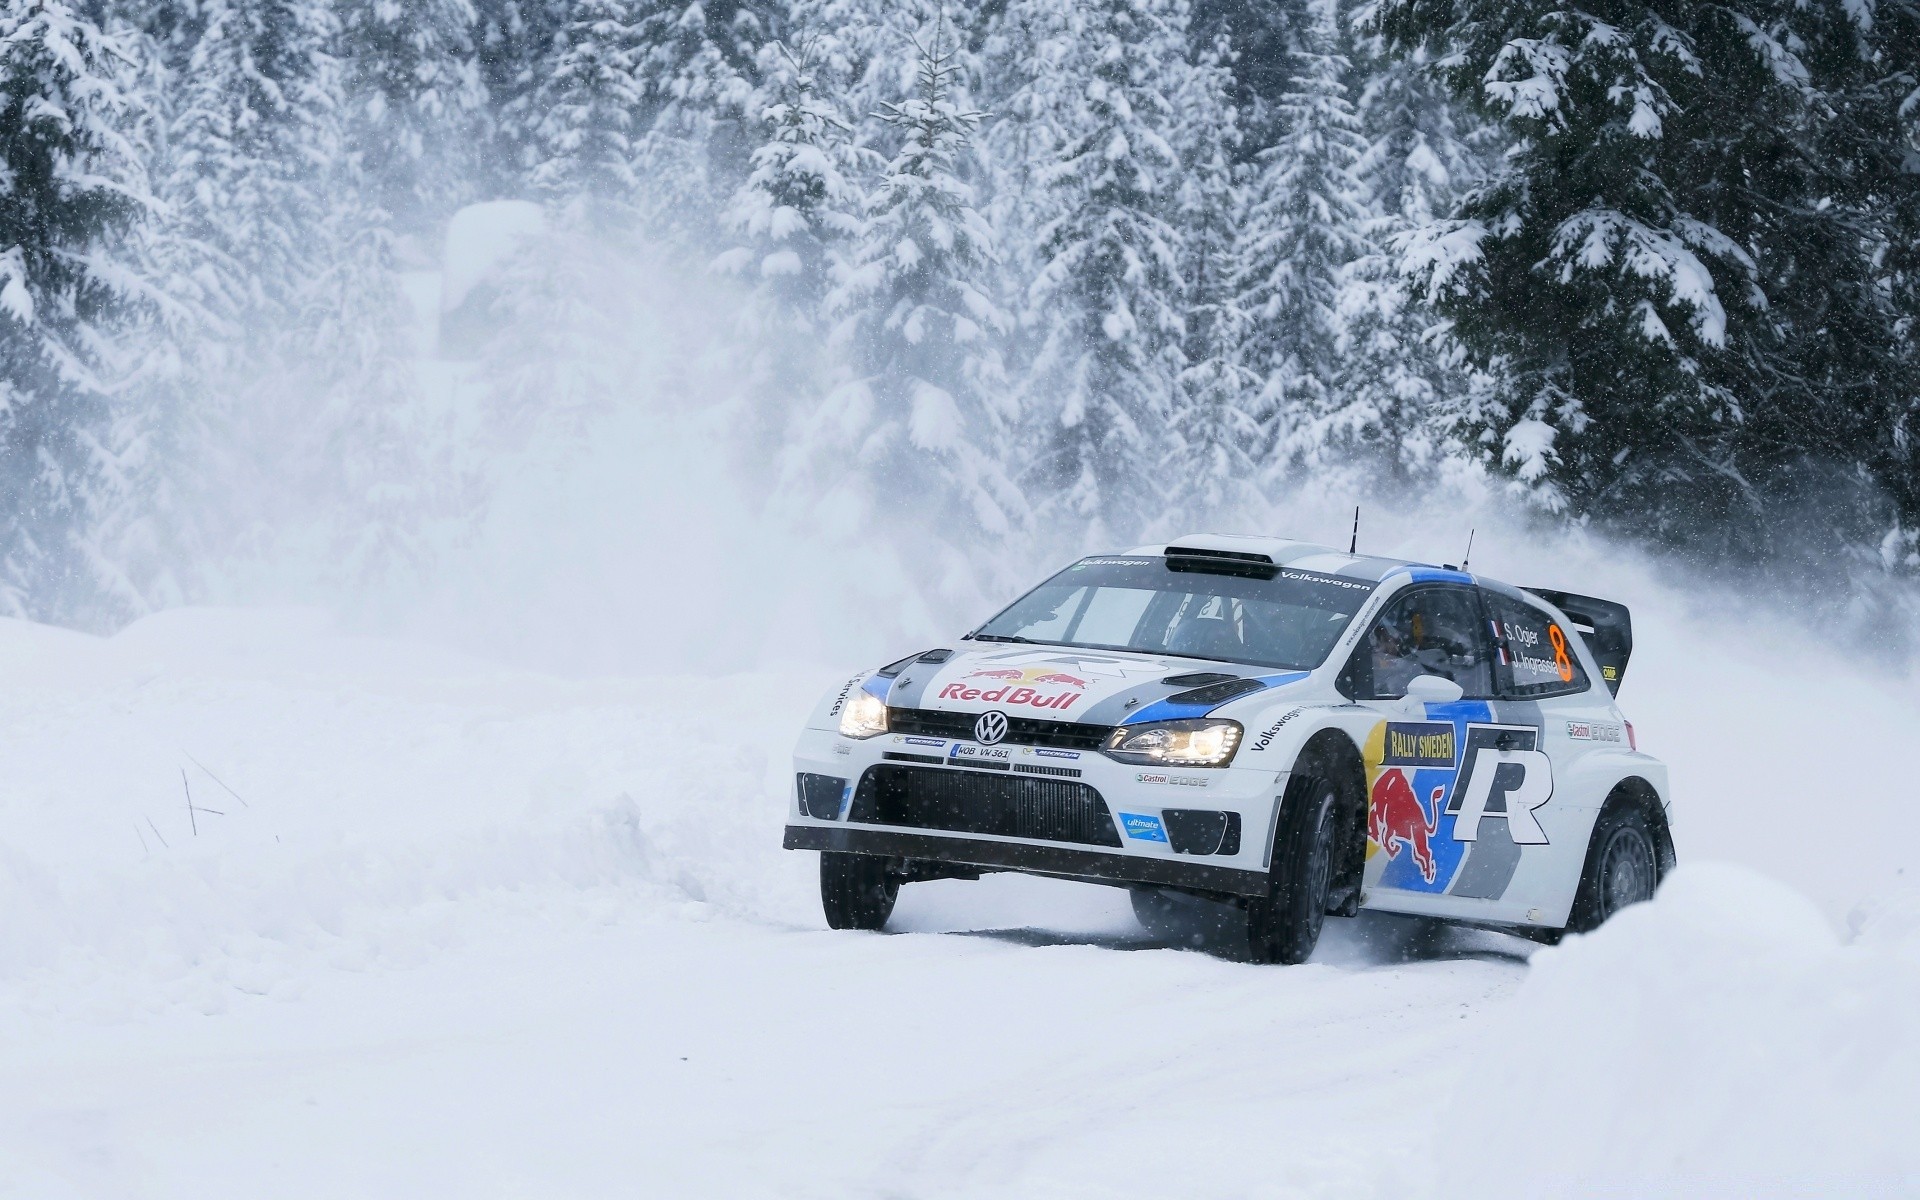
(864, 716)
(1190, 743)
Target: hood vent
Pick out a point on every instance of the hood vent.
(1218, 693)
(1195, 679)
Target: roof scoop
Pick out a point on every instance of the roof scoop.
(1221, 562)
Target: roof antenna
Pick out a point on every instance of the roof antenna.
(1355, 541)
(1469, 553)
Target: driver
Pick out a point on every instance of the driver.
(1393, 662)
(1211, 633)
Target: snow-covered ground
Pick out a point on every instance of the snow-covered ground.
(440, 927)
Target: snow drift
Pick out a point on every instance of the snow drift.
(431, 823)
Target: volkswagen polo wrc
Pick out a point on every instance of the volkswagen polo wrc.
(1265, 723)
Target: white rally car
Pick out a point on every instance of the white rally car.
(1265, 722)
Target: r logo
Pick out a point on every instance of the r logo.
(1502, 775)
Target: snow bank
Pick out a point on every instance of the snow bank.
(1719, 1041)
(355, 802)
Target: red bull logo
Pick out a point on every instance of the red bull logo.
(1046, 675)
(1010, 695)
(1396, 818)
(1038, 687)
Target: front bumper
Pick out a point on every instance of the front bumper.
(995, 854)
(1150, 809)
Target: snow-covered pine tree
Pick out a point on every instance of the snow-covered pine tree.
(1022, 92)
(1400, 384)
(1107, 302)
(590, 106)
(1216, 431)
(798, 209)
(513, 45)
(802, 198)
(413, 82)
(697, 70)
(1681, 271)
(71, 189)
(1302, 233)
(926, 409)
(297, 379)
(1264, 38)
(258, 127)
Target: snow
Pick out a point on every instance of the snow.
(479, 930)
(15, 299)
(1720, 1041)
(479, 238)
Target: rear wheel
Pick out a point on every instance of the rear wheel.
(857, 891)
(1284, 925)
(1622, 868)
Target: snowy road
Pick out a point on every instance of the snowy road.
(620, 1056)
(439, 928)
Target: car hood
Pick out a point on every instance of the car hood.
(1055, 683)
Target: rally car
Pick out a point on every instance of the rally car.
(1269, 723)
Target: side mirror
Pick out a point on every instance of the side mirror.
(1432, 689)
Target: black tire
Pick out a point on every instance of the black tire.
(1622, 868)
(857, 891)
(1181, 920)
(1154, 911)
(1284, 925)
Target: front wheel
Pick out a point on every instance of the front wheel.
(857, 891)
(1283, 926)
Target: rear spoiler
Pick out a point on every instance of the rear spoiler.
(1603, 625)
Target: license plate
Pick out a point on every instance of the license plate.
(960, 753)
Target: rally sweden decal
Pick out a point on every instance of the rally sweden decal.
(1451, 800)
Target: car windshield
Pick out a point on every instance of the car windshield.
(1269, 616)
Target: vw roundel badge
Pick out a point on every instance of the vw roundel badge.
(990, 728)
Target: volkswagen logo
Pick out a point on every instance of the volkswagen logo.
(990, 728)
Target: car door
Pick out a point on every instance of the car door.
(1545, 688)
(1434, 770)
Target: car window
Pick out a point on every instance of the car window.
(1266, 615)
(1537, 656)
(1110, 617)
(1427, 631)
(1046, 617)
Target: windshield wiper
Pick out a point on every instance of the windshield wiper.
(1001, 637)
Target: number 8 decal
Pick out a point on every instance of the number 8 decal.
(1560, 658)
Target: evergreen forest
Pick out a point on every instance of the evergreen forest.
(993, 283)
